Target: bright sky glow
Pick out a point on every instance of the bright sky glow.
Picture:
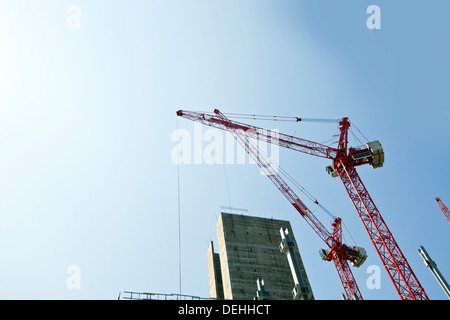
(87, 115)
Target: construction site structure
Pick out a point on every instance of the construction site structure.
(434, 270)
(249, 264)
(344, 159)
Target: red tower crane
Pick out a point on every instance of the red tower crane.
(444, 209)
(344, 163)
(338, 252)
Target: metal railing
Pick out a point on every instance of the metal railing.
(130, 295)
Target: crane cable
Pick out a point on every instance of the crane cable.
(276, 118)
(272, 163)
(264, 157)
(267, 117)
(179, 212)
(226, 183)
(359, 131)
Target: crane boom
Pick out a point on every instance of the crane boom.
(444, 209)
(287, 141)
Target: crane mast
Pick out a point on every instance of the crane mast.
(395, 263)
(338, 252)
(401, 274)
(344, 161)
(339, 255)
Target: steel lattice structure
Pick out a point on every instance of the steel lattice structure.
(444, 209)
(344, 160)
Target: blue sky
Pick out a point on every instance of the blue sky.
(87, 115)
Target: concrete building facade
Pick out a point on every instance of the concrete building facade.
(248, 251)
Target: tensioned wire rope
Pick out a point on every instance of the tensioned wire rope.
(179, 211)
(264, 158)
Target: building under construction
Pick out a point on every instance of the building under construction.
(257, 259)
